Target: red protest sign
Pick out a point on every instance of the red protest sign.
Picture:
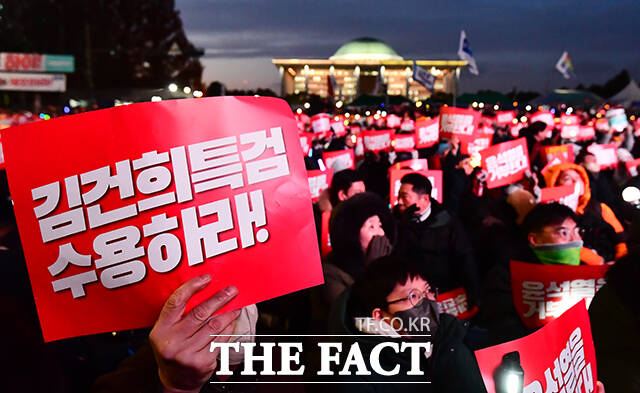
(515, 129)
(434, 176)
(541, 293)
(393, 121)
(602, 124)
(586, 132)
(1, 154)
(475, 146)
(564, 153)
(427, 133)
(325, 241)
(632, 167)
(354, 129)
(337, 124)
(417, 164)
(408, 125)
(146, 196)
(455, 303)
(566, 120)
(555, 194)
(545, 117)
(403, 142)
(340, 159)
(306, 142)
(505, 117)
(319, 181)
(377, 141)
(458, 122)
(606, 155)
(321, 124)
(505, 162)
(560, 357)
(570, 131)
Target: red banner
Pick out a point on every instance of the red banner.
(541, 293)
(377, 141)
(434, 176)
(564, 153)
(340, 159)
(427, 133)
(321, 124)
(475, 146)
(458, 122)
(555, 194)
(417, 164)
(403, 142)
(632, 166)
(319, 181)
(505, 162)
(455, 303)
(606, 155)
(141, 198)
(545, 117)
(560, 357)
(306, 142)
(505, 117)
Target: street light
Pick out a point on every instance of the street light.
(173, 87)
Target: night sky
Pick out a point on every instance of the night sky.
(514, 43)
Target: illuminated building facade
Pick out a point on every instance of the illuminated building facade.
(364, 66)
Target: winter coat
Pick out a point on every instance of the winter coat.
(441, 247)
(452, 366)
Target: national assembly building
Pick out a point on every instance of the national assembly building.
(364, 66)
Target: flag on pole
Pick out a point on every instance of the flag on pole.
(424, 77)
(332, 86)
(464, 53)
(564, 65)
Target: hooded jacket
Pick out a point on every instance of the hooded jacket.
(605, 233)
(452, 366)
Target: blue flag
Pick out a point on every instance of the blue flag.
(424, 77)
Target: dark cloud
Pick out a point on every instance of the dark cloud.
(514, 44)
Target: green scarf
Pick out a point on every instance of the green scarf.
(559, 254)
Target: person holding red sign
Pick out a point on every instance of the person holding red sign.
(605, 234)
(393, 300)
(434, 239)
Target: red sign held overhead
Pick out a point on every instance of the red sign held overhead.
(555, 194)
(586, 132)
(461, 123)
(146, 196)
(606, 155)
(560, 357)
(319, 181)
(340, 159)
(632, 166)
(403, 142)
(321, 124)
(417, 164)
(545, 117)
(505, 162)
(541, 293)
(564, 153)
(306, 142)
(377, 141)
(434, 176)
(337, 124)
(455, 303)
(505, 117)
(475, 146)
(393, 121)
(427, 133)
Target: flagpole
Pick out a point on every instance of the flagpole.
(456, 79)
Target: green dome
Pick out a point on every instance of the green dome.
(365, 49)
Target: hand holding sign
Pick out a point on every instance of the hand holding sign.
(181, 342)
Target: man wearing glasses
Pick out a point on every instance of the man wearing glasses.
(393, 302)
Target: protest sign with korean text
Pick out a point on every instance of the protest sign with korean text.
(476, 145)
(564, 153)
(560, 357)
(455, 303)
(544, 116)
(586, 133)
(337, 124)
(339, 159)
(606, 155)
(556, 194)
(427, 133)
(417, 164)
(403, 142)
(377, 141)
(505, 117)
(319, 180)
(141, 198)
(541, 293)
(505, 162)
(461, 123)
(321, 125)
(434, 176)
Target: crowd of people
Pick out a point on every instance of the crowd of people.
(389, 263)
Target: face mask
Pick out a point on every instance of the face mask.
(559, 254)
(423, 318)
